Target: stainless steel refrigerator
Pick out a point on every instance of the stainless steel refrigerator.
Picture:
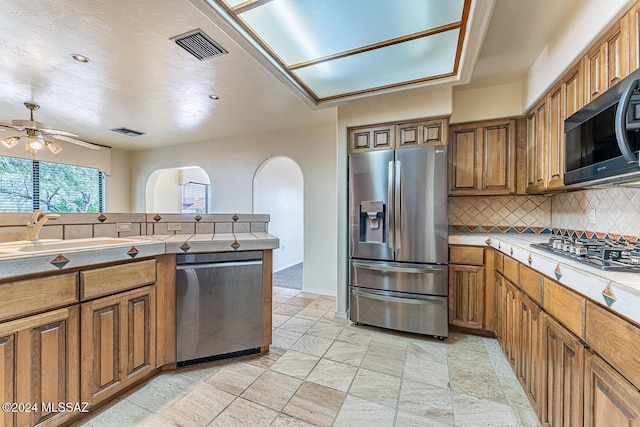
(398, 243)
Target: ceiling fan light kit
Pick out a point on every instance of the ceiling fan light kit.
(37, 135)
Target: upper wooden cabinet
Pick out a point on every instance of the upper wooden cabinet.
(482, 158)
(607, 62)
(537, 148)
(632, 19)
(401, 135)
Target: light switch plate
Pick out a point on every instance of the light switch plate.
(174, 226)
(123, 226)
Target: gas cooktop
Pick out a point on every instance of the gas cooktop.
(605, 254)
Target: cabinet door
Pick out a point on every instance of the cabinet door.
(508, 320)
(118, 342)
(634, 36)
(371, 138)
(428, 132)
(595, 73)
(617, 47)
(40, 360)
(466, 149)
(564, 360)
(498, 162)
(530, 353)
(499, 305)
(536, 148)
(572, 91)
(609, 399)
(466, 296)
(555, 153)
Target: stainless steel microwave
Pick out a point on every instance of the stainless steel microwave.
(602, 140)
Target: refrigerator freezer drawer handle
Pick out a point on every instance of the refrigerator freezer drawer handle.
(422, 300)
(391, 236)
(393, 269)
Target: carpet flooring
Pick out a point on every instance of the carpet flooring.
(289, 277)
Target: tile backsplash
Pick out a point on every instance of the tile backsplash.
(500, 214)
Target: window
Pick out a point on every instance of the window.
(28, 185)
(195, 197)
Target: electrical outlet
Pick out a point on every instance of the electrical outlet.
(174, 226)
(123, 226)
(591, 215)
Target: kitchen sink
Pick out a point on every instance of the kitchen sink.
(58, 245)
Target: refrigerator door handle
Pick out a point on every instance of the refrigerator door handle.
(397, 269)
(398, 206)
(391, 237)
(384, 296)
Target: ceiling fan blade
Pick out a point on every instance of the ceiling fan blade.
(75, 141)
(58, 132)
(10, 134)
(4, 128)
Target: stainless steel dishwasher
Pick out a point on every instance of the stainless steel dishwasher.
(218, 305)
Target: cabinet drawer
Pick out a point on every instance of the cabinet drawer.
(531, 283)
(510, 269)
(565, 305)
(109, 280)
(498, 261)
(615, 339)
(26, 297)
(466, 255)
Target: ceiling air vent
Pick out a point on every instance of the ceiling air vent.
(199, 45)
(127, 132)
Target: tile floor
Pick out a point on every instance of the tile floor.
(325, 371)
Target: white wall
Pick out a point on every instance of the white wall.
(166, 192)
(119, 182)
(278, 190)
(487, 103)
(406, 105)
(231, 164)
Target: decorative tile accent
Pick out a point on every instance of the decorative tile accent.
(157, 218)
(501, 211)
(198, 218)
(609, 296)
(185, 247)
(60, 261)
(557, 272)
(488, 241)
(235, 245)
(530, 259)
(235, 218)
(511, 251)
(133, 252)
(102, 217)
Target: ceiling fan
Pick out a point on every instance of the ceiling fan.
(37, 134)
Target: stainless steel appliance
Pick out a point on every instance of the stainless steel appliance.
(398, 239)
(218, 305)
(602, 140)
(605, 254)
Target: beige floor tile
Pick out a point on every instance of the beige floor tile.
(287, 421)
(311, 313)
(155, 420)
(310, 344)
(235, 378)
(201, 371)
(242, 413)
(426, 401)
(428, 365)
(356, 412)
(265, 360)
(287, 309)
(514, 393)
(288, 291)
(406, 419)
(161, 391)
(295, 364)
(525, 417)
(471, 360)
(301, 301)
(376, 387)
(323, 304)
(331, 317)
(199, 406)
(315, 404)
(473, 412)
(346, 353)
(462, 341)
(478, 384)
(272, 390)
(380, 353)
(124, 413)
(311, 295)
(333, 374)
(280, 298)
(360, 335)
(284, 339)
(501, 365)
(297, 324)
(325, 329)
(278, 319)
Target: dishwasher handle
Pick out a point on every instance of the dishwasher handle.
(217, 265)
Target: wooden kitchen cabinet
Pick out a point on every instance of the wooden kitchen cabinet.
(466, 296)
(531, 361)
(633, 22)
(555, 151)
(607, 62)
(371, 138)
(40, 359)
(427, 132)
(564, 361)
(508, 301)
(609, 399)
(118, 342)
(536, 149)
(482, 158)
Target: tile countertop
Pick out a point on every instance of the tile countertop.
(584, 279)
(21, 264)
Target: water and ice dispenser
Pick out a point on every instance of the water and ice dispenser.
(372, 221)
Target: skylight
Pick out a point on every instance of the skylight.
(335, 48)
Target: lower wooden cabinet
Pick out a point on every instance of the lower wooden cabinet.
(118, 342)
(530, 361)
(510, 328)
(609, 399)
(39, 366)
(564, 360)
(466, 296)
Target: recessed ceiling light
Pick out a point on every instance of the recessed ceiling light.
(80, 58)
(214, 97)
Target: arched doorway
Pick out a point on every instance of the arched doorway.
(278, 190)
(179, 190)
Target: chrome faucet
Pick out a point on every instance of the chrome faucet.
(35, 224)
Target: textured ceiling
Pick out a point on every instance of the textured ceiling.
(138, 78)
